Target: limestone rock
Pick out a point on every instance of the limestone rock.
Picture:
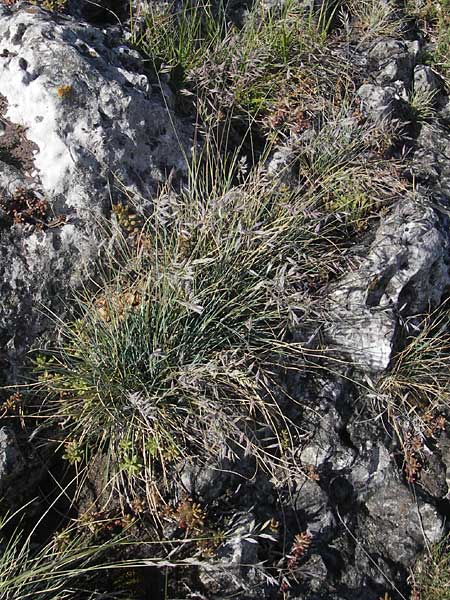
(427, 80)
(380, 102)
(430, 164)
(392, 61)
(98, 132)
(205, 482)
(311, 504)
(405, 272)
(398, 525)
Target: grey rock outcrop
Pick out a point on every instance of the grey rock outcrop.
(22, 468)
(406, 271)
(391, 66)
(427, 81)
(98, 132)
(205, 482)
(368, 525)
(381, 102)
(431, 164)
(392, 61)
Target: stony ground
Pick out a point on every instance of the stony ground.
(224, 258)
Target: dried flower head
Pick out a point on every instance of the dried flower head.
(300, 545)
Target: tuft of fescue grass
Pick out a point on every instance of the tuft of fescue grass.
(177, 353)
(178, 349)
(341, 141)
(372, 19)
(422, 104)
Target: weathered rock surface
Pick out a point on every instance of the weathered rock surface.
(430, 164)
(405, 272)
(12, 462)
(204, 482)
(235, 569)
(367, 526)
(391, 61)
(95, 127)
(381, 102)
(407, 267)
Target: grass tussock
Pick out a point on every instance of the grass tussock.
(370, 20)
(179, 352)
(248, 67)
(176, 354)
(262, 71)
(422, 105)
